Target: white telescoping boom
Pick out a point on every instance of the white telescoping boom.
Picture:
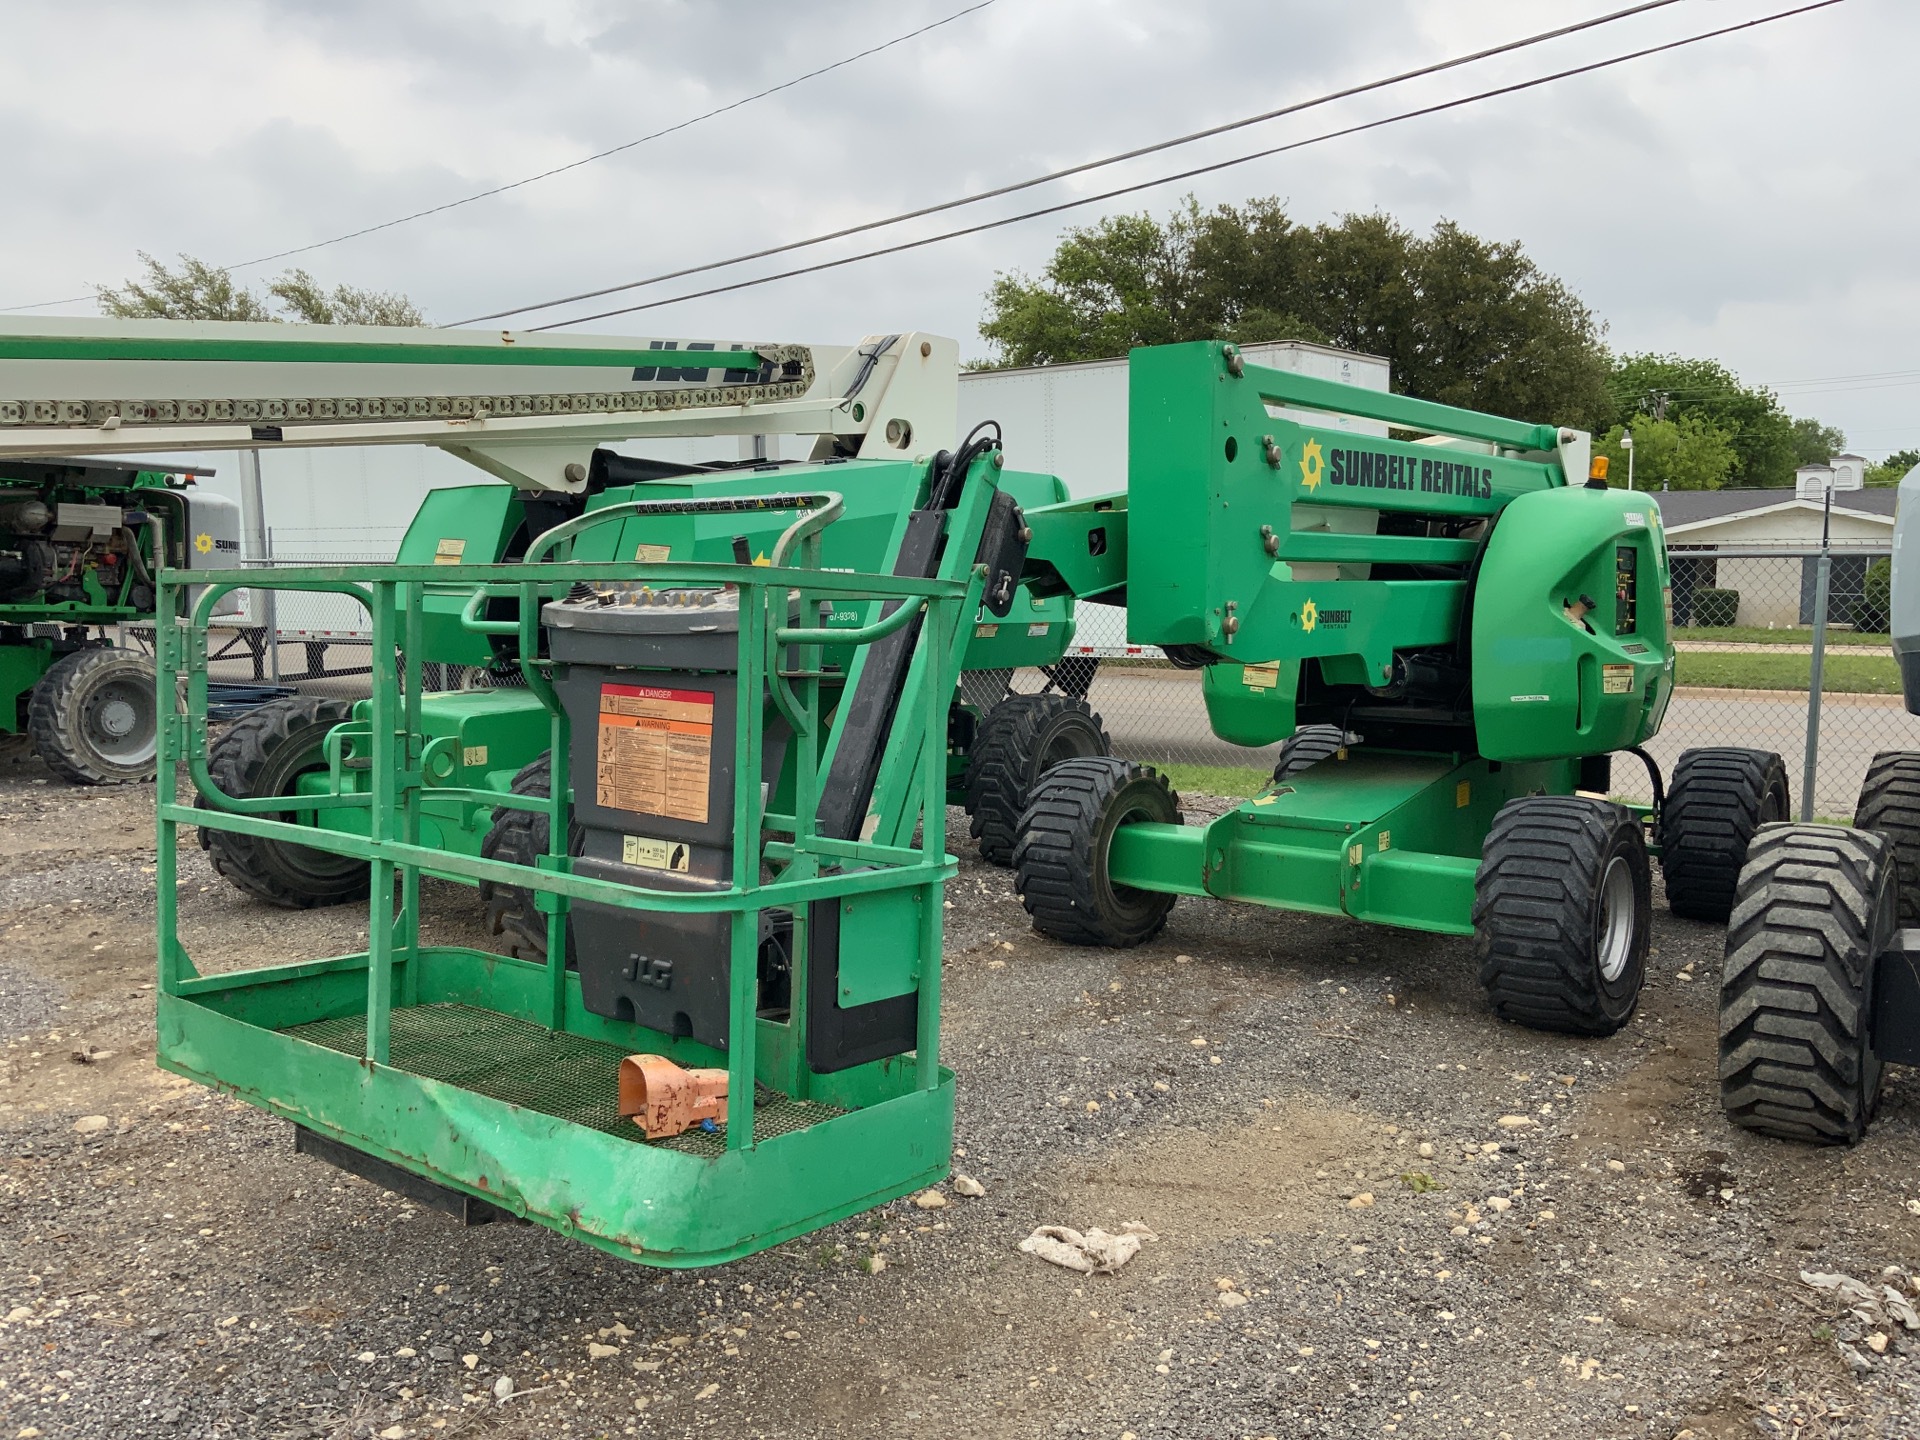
(527, 408)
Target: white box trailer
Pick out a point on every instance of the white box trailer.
(353, 504)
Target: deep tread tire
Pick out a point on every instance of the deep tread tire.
(264, 753)
(1718, 799)
(1060, 860)
(1020, 739)
(1308, 745)
(520, 838)
(1816, 906)
(1540, 914)
(68, 717)
(1890, 807)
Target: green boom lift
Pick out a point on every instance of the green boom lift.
(720, 844)
(77, 559)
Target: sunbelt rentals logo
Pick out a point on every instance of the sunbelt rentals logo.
(1313, 618)
(1313, 466)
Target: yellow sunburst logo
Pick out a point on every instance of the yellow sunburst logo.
(203, 542)
(1312, 465)
(1309, 617)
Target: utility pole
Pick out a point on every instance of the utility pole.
(1626, 444)
(1822, 579)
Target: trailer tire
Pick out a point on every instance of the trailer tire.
(1060, 860)
(1890, 807)
(1561, 911)
(1018, 741)
(264, 753)
(1308, 745)
(1719, 797)
(520, 838)
(95, 716)
(1817, 904)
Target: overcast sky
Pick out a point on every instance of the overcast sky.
(1751, 199)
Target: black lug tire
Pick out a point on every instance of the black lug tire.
(1020, 739)
(1817, 904)
(1540, 917)
(1890, 807)
(64, 717)
(1308, 745)
(264, 753)
(1719, 797)
(520, 838)
(1060, 861)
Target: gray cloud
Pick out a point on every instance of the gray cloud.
(1751, 199)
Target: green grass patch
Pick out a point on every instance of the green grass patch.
(1847, 674)
(1233, 781)
(1758, 635)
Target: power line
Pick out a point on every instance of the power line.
(1422, 111)
(1087, 165)
(571, 164)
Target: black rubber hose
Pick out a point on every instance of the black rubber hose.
(1659, 785)
(135, 560)
(946, 489)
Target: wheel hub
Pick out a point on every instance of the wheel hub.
(116, 719)
(1616, 919)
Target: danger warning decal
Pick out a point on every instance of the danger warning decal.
(655, 750)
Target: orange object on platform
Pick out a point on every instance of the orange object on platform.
(665, 1099)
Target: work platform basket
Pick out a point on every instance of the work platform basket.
(486, 1075)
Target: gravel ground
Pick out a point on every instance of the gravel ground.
(1307, 1112)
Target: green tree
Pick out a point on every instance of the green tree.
(1893, 469)
(302, 297)
(196, 291)
(1814, 443)
(1463, 320)
(1689, 453)
(199, 291)
(1768, 443)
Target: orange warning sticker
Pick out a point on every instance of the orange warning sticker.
(655, 750)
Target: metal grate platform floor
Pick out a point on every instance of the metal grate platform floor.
(553, 1073)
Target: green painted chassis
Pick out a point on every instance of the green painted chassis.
(1389, 837)
(887, 1128)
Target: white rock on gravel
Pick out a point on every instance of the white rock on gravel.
(968, 1186)
(503, 1387)
(930, 1200)
(1094, 1253)
(91, 1124)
